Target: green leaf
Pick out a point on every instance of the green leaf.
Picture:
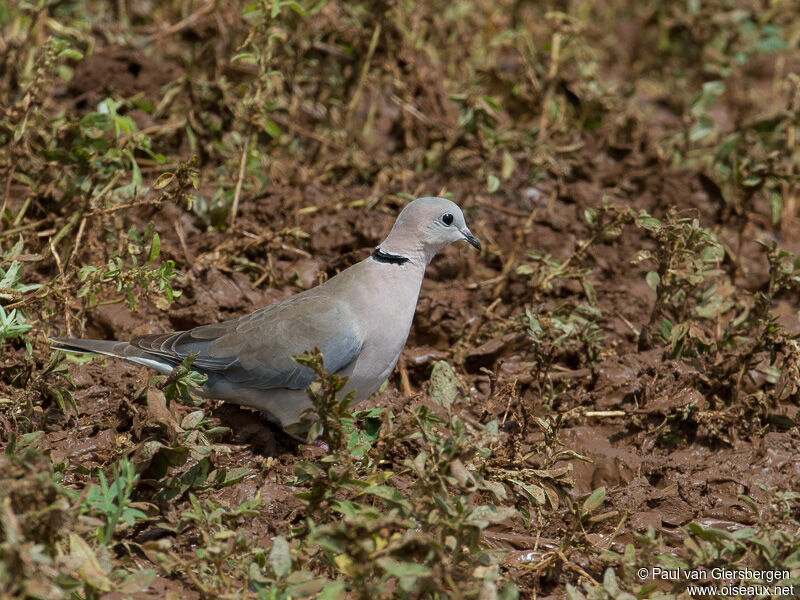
(728, 145)
(234, 476)
(487, 514)
(390, 494)
(136, 582)
(666, 328)
(402, 569)
(245, 57)
(525, 270)
(769, 45)
(588, 289)
(492, 184)
(192, 420)
(743, 534)
(510, 591)
(653, 280)
(704, 126)
(776, 203)
(508, 165)
(136, 177)
(645, 221)
(534, 493)
(332, 590)
(595, 500)
(792, 561)
(271, 129)
(296, 7)
(315, 431)
(302, 584)
(573, 593)
(610, 582)
(155, 248)
(710, 534)
(70, 53)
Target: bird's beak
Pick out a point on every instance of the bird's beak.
(469, 238)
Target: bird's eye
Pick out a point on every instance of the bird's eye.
(447, 219)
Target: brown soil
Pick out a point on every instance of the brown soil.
(657, 484)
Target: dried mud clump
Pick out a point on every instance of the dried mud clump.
(119, 71)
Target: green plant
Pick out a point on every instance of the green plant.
(42, 547)
(687, 257)
(374, 543)
(12, 289)
(751, 160)
(179, 384)
(227, 561)
(282, 121)
(605, 224)
(114, 503)
(148, 276)
(12, 324)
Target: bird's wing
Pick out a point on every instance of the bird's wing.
(255, 351)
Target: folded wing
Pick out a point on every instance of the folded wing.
(254, 351)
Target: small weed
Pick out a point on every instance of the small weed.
(423, 541)
(113, 503)
(149, 276)
(687, 258)
(228, 561)
(770, 547)
(43, 547)
(179, 384)
(330, 410)
(605, 223)
(12, 325)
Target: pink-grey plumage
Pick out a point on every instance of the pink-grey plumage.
(359, 319)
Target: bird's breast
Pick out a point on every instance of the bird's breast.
(386, 308)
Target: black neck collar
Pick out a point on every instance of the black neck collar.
(385, 257)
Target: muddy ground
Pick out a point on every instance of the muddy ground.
(657, 485)
(618, 409)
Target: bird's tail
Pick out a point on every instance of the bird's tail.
(113, 348)
(107, 347)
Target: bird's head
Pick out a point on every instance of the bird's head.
(427, 225)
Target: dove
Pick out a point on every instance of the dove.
(359, 319)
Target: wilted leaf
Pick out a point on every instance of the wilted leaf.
(136, 582)
(444, 384)
(193, 419)
(534, 492)
(157, 410)
(487, 514)
(280, 559)
(88, 568)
